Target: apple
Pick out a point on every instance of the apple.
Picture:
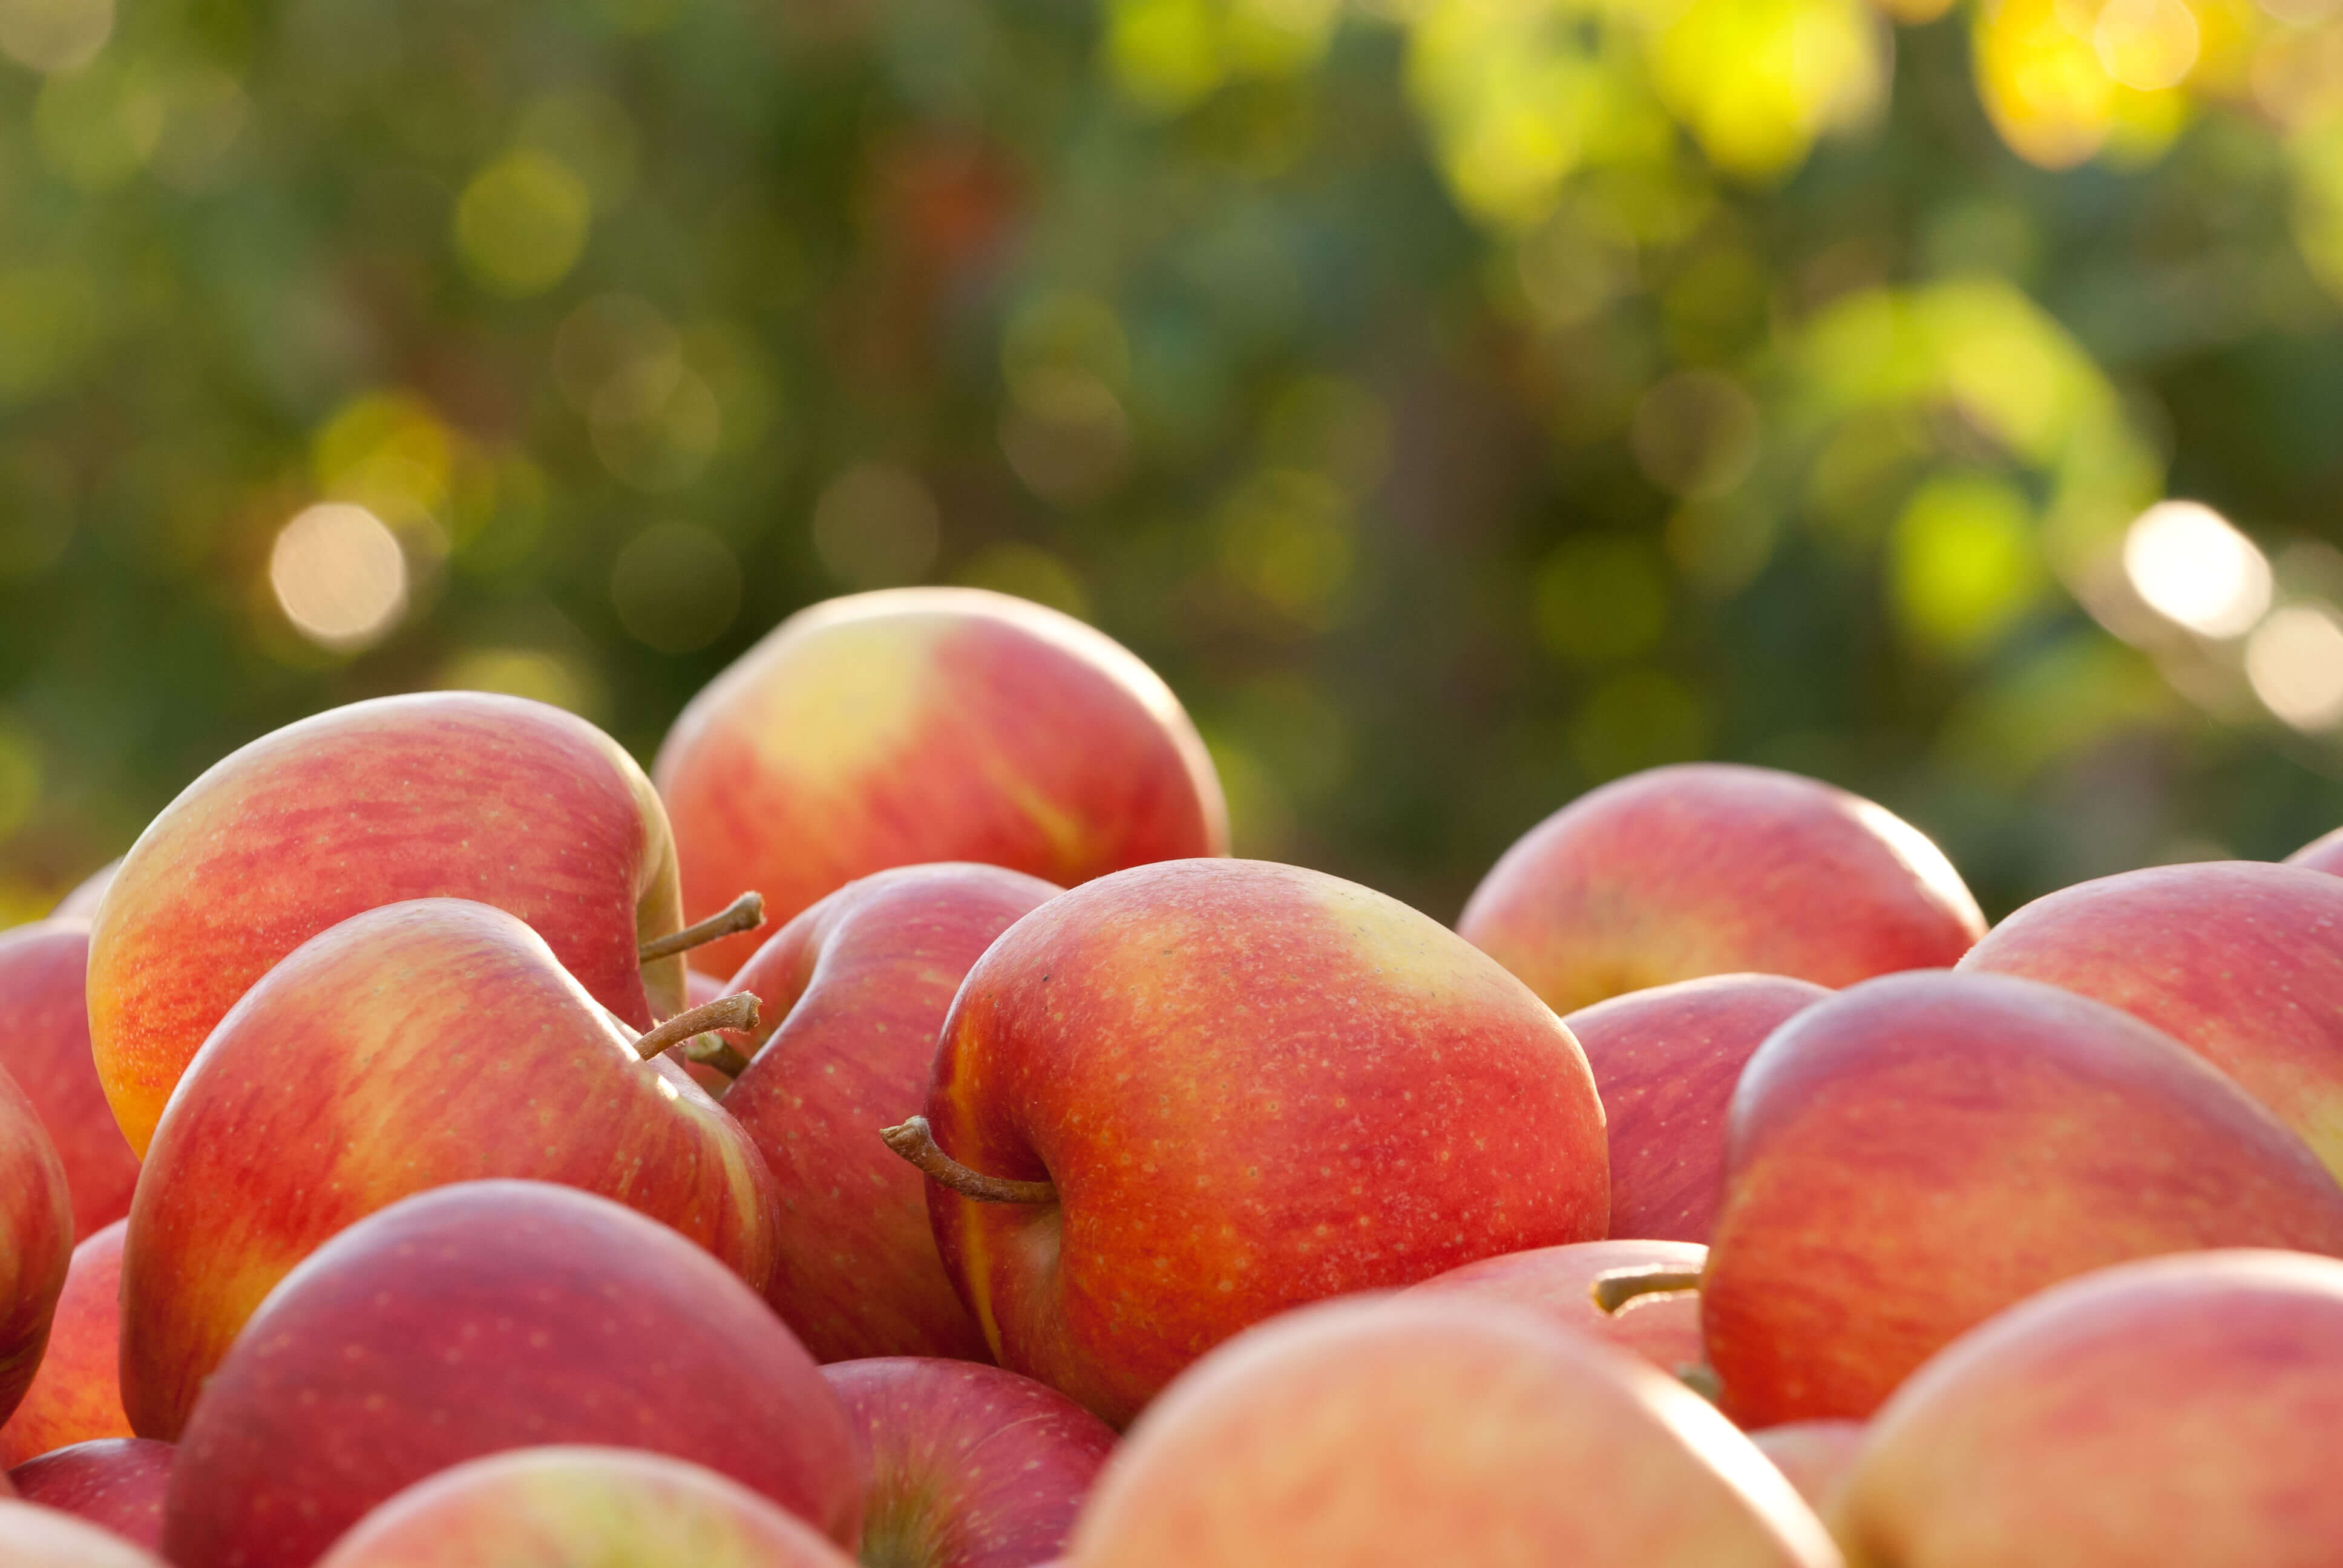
(1558, 1283)
(1710, 868)
(2239, 961)
(1665, 1061)
(115, 1481)
(1919, 1152)
(490, 1315)
(32, 1536)
(2166, 1412)
(44, 1046)
(853, 991)
(409, 1046)
(971, 1466)
(916, 725)
(1225, 1088)
(1415, 1431)
(1815, 1457)
(2324, 853)
(35, 1240)
(457, 794)
(77, 1395)
(81, 902)
(580, 1504)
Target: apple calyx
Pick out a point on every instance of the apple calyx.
(1616, 1289)
(738, 1010)
(915, 1142)
(745, 913)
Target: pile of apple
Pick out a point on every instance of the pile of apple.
(379, 1187)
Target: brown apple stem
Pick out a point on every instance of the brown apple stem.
(915, 1142)
(710, 1051)
(738, 1010)
(1620, 1286)
(745, 913)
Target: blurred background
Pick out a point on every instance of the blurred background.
(1461, 402)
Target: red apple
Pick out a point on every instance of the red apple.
(77, 1395)
(35, 1240)
(1395, 1433)
(1558, 1284)
(1709, 868)
(44, 1046)
(1665, 1061)
(1919, 1152)
(407, 1046)
(971, 1466)
(2324, 853)
(492, 1315)
(580, 1504)
(2171, 1412)
(1814, 1456)
(115, 1481)
(854, 990)
(32, 1536)
(928, 724)
(1240, 1087)
(2239, 961)
(456, 794)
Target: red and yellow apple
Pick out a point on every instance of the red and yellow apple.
(77, 1395)
(1234, 1087)
(408, 1047)
(44, 1046)
(492, 1315)
(1665, 1061)
(1919, 1152)
(916, 725)
(854, 991)
(1401, 1433)
(2239, 961)
(115, 1481)
(1711, 868)
(449, 794)
(35, 1240)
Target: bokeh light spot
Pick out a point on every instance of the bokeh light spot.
(2189, 566)
(2295, 662)
(2146, 43)
(675, 586)
(876, 526)
(1696, 434)
(55, 35)
(521, 223)
(1965, 565)
(339, 576)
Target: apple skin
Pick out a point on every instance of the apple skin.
(456, 794)
(855, 990)
(1815, 1457)
(44, 1046)
(492, 1315)
(408, 1047)
(1917, 1152)
(2324, 853)
(578, 1504)
(1557, 1284)
(1666, 1060)
(77, 1395)
(1712, 868)
(971, 1466)
(35, 1240)
(1253, 1086)
(32, 1536)
(2159, 1413)
(2239, 961)
(1392, 1434)
(82, 901)
(115, 1481)
(918, 725)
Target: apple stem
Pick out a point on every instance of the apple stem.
(745, 913)
(915, 1142)
(1620, 1286)
(710, 1051)
(738, 1010)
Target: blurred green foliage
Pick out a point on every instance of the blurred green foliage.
(1460, 401)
